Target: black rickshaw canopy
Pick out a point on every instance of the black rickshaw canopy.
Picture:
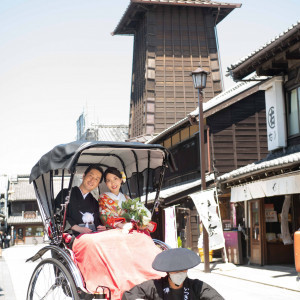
(83, 153)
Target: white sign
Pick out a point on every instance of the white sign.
(170, 227)
(275, 113)
(286, 185)
(271, 216)
(206, 203)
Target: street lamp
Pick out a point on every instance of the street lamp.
(199, 78)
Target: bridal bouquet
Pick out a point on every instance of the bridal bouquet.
(135, 210)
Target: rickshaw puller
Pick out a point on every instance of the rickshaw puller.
(176, 285)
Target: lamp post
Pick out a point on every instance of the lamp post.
(199, 78)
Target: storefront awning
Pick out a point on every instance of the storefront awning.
(280, 185)
(18, 220)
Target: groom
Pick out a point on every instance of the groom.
(82, 203)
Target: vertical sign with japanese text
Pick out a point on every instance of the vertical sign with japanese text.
(170, 227)
(275, 113)
(206, 203)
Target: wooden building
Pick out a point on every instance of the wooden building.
(171, 39)
(24, 220)
(269, 189)
(235, 135)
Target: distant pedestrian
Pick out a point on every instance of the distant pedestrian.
(1, 239)
(7, 240)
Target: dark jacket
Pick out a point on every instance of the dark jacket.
(159, 289)
(77, 206)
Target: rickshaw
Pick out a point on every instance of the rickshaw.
(144, 165)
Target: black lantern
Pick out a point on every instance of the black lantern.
(199, 78)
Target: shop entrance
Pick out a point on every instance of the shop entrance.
(256, 230)
(19, 236)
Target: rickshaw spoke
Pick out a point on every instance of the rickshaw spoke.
(49, 291)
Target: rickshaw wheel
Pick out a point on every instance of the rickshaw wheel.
(161, 245)
(51, 280)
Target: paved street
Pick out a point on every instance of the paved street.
(13, 265)
(271, 282)
(235, 289)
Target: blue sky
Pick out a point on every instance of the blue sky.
(59, 56)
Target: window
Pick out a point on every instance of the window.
(293, 112)
(39, 231)
(28, 231)
(34, 231)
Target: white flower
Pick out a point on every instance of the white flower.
(126, 228)
(166, 290)
(87, 218)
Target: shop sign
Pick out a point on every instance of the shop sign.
(170, 227)
(271, 216)
(29, 215)
(270, 213)
(233, 246)
(207, 206)
(275, 113)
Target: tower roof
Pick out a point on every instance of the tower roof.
(136, 8)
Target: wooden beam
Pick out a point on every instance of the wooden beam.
(269, 72)
(279, 65)
(293, 56)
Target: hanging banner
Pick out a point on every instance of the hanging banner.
(206, 203)
(170, 227)
(286, 236)
(275, 112)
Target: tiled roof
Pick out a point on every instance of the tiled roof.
(263, 166)
(270, 43)
(20, 189)
(133, 7)
(185, 2)
(117, 133)
(111, 133)
(21, 220)
(219, 99)
(226, 95)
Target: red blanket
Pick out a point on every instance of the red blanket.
(115, 259)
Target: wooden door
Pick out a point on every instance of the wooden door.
(20, 239)
(256, 232)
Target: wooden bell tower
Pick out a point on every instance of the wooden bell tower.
(171, 39)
